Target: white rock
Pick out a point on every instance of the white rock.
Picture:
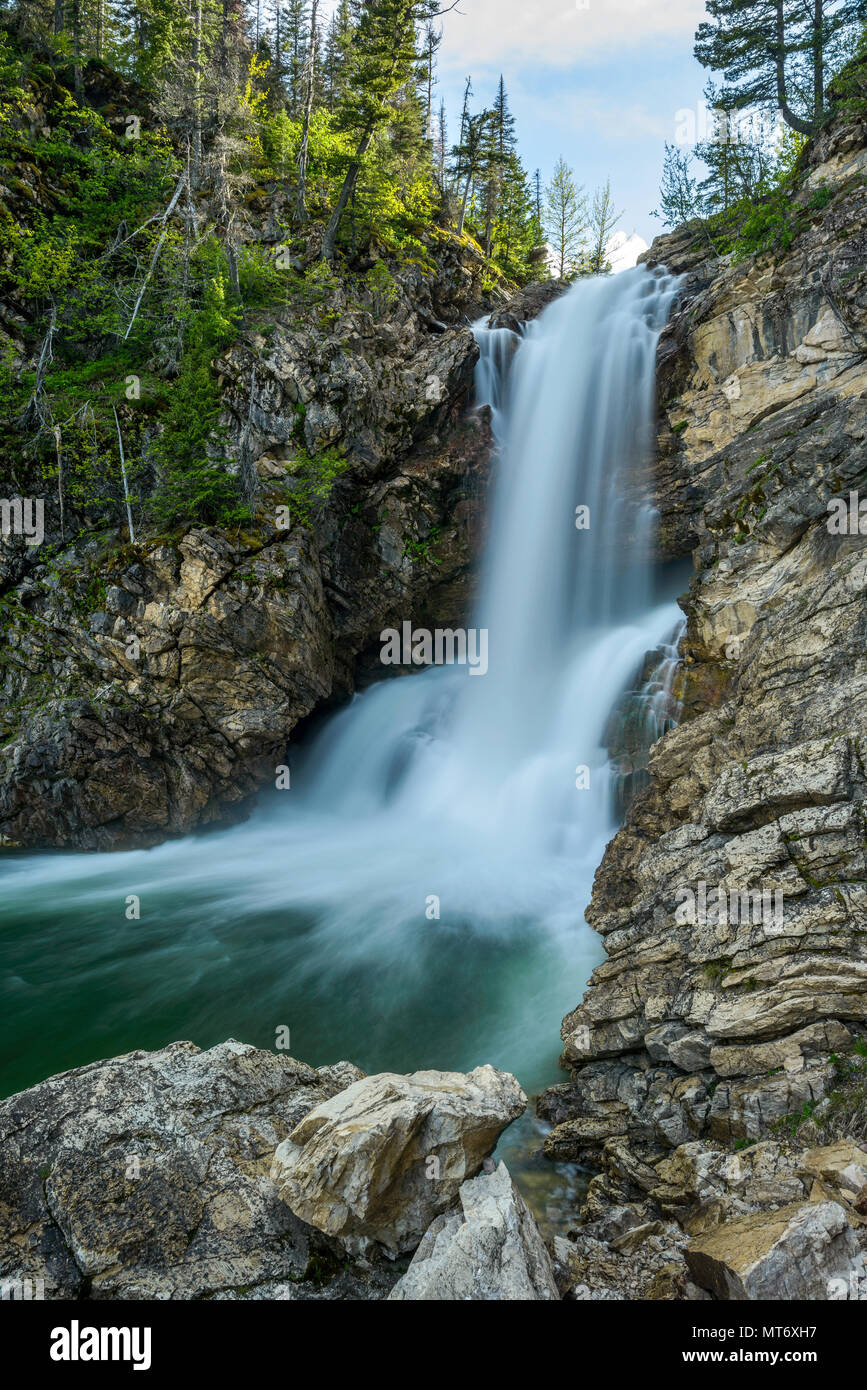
(487, 1250)
(392, 1153)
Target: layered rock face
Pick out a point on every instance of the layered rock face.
(713, 1020)
(148, 689)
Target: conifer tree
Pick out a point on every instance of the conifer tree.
(776, 53)
(567, 218)
(383, 59)
(603, 220)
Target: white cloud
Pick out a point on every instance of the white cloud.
(557, 32)
(623, 250)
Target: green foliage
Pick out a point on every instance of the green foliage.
(193, 480)
(313, 483)
(778, 57)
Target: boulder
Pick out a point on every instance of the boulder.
(146, 1177)
(380, 1161)
(802, 1251)
(838, 1172)
(488, 1249)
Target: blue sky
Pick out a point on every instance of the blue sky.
(599, 85)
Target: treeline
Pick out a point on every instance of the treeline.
(342, 109)
(177, 171)
(774, 61)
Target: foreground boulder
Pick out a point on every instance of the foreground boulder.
(146, 1177)
(488, 1249)
(800, 1251)
(381, 1160)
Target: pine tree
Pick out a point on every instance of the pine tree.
(603, 220)
(336, 57)
(469, 158)
(432, 41)
(738, 165)
(775, 53)
(310, 80)
(441, 146)
(567, 219)
(383, 59)
(679, 197)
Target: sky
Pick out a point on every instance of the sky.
(598, 81)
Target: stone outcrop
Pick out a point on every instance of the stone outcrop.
(488, 1250)
(243, 1174)
(381, 1160)
(801, 1252)
(706, 1024)
(146, 1177)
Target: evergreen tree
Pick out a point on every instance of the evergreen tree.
(469, 158)
(603, 220)
(679, 196)
(776, 53)
(567, 218)
(383, 59)
(738, 165)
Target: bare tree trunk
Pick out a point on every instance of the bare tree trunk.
(197, 96)
(156, 254)
(59, 447)
(123, 475)
(818, 61)
(346, 192)
(34, 411)
(301, 196)
(796, 123)
(76, 45)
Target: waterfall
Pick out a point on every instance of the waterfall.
(417, 897)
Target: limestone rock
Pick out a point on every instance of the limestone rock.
(702, 1186)
(487, 1250)
(798, 1252)
(382, 1159)
(146, 1177)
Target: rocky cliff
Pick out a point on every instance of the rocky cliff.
(715, 1023)
(149, 688)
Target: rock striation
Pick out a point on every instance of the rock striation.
(714, 1023)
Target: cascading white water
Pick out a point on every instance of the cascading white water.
(319, 912)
